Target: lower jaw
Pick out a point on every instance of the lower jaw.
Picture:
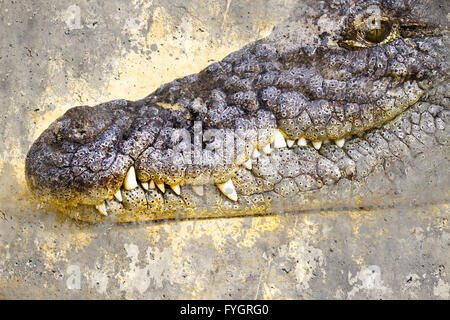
(374, 191)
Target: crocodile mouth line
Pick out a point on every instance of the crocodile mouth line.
(276, 126)
(277, 144)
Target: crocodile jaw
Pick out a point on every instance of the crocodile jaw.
(113, 157)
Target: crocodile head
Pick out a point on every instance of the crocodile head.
(346, 104)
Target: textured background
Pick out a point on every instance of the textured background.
(57, 54)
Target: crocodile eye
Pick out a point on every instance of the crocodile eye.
(370, 32)
(375, 31)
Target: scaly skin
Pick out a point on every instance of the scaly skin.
(324, 76)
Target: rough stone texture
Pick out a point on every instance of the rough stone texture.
(56, 54)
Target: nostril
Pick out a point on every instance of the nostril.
(82, 124)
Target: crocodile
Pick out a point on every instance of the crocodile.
(344, 105)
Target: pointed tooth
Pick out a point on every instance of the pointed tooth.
(145, 185)
(317, 144)
(176, 188)
(255, 153)
(279, 141)
(118, 195)
(302, 142)
(161, 187)
(130, 179)
(248, 164)
(290, 143)
(102, 208)
(266, 149)
(272, 137)
(151, 184)
(340, 142)
(198, 190)
(228, 189)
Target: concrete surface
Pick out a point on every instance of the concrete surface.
(57, 54)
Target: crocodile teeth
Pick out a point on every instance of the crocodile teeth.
(317, 144)
(279, 141)
(290, 143)
(102, 208)
(198, 190)
(118, 196)
(161, 187)
(248, 164)
(176, 188)
(152, 184)
(145, 185)
(340, 142)
(302, 142)
(255, 153)
(266, 149)
(228, 189)
(130, 179)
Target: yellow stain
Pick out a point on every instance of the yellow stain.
(80, 239)
(260, 225)
(359, 260)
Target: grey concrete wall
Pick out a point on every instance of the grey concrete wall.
(57, 54)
